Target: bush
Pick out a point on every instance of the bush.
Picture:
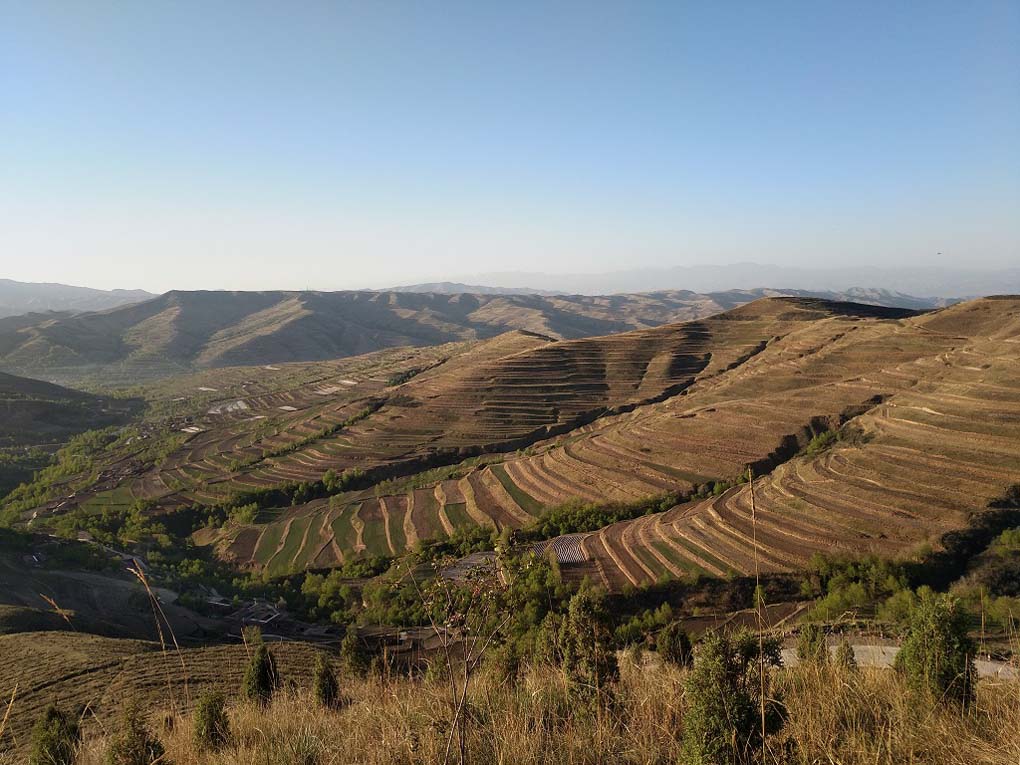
(54, 738)
(353, 656)
(723, 724)
(134, 744)
(589, 658)
(211, 727)
(845, 658)
(811, 645)
(937, 656)
(674, 646)
(324, 684)
(260, 679)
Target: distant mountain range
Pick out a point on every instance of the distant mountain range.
(182, 331)
(930, 281)
(23, 297)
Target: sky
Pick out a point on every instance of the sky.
(331, 145)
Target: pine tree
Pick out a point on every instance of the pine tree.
(55, 737)
(134, 743)
(723, 724)
(589, 658)
(211, 727)
(674, 646)
(937, 656)
(260, 679)
(324, 683)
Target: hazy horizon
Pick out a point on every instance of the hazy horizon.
(252, 146)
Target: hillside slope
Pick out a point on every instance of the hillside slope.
(927, 408)
(182, 331)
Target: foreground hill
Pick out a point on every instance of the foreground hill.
(183, 331)
(25, 297)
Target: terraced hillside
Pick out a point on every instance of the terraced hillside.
(495, 432)
(940, 443)
(707, 428)
(180, 332)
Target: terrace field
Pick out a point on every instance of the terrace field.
(868, 429)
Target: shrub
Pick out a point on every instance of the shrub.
(260, 679)
(674, 646)
(845, 658)
(811, 645)
(54, 738)
(723, 723)
(324, 684)
(211, 727)
(353, 656)
(585, 641)
(134, 744)
(937, 656)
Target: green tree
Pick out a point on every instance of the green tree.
(260, 679)
(134, 743)
(674, 645)
(55, 737)
(589, 658)
(353, 656)
(211, 726)
(937, 656)
(324, 684)
(728, 688)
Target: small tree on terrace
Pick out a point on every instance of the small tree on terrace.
(937, 656)
(589, 658)
(730, 700)
(674, 646)
(324, 684)
(210, 726)
(134, 743)
(260, 679)
(54, 738)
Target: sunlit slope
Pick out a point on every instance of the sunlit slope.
(182, 331)
(944, 443)
(746, 387)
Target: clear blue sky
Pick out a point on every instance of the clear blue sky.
(333, 144)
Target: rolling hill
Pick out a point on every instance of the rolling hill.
(28, 297)
(870, 430)
(180, 332)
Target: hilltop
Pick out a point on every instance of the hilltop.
(180, 332)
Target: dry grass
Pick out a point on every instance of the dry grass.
(835, 717)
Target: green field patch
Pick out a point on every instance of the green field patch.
(650, 561)
(374, 532)
(705, 555)
(673, 557)
(281, 564)
(268, 543)
(397, 531)
(526, 502)
(425, 515)
(343, 531)
(458, 514)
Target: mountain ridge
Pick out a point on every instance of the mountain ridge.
(182, 331)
